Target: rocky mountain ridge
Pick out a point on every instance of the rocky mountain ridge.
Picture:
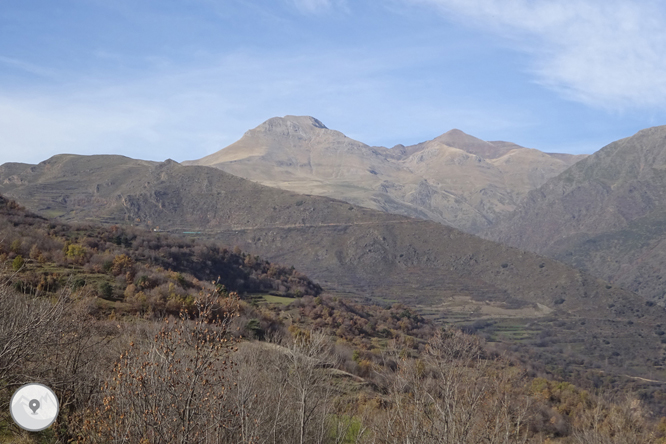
(454, 179)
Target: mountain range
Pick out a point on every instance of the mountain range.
(604, 214)
(357, 252)
(455, 179)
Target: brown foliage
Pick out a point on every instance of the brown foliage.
(170, 390)
(453, 394)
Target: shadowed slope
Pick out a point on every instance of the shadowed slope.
(606, 214)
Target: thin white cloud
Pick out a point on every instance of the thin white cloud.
(605, 53)
(316, 6)
(27, 67)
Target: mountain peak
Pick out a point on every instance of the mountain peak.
(307, 120)
(455, 132)
(282, 139)
(459, 139)
(290, 125)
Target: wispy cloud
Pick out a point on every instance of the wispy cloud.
(27, 67)
(316, 6)
(605, 53)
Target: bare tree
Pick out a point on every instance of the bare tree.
(284, 394)
(54, 341)
(28, 325)
(614, 423)
(455, 394)
(260, 393)
(310, 359)
(173, 389)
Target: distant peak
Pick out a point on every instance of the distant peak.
(459, 139)
(292, 121)
(455, 132)
(308, 120)
(289, 126)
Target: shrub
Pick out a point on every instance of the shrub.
(106, 290)
(122, 264)
(75, 251)
(18, 263)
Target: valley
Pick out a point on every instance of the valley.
(363, 254)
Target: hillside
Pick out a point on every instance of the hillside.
(605, 215)
(454, 179)
(448, 275)
(135, 379)
(128, 270)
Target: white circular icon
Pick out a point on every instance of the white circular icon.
(34, 407)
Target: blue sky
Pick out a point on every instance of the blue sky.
(182, 79)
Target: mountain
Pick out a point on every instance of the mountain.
(606, 215)
(454, 179)
(450, 276)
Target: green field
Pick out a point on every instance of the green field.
(270, 299)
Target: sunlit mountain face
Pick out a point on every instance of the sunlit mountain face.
(455, 179)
